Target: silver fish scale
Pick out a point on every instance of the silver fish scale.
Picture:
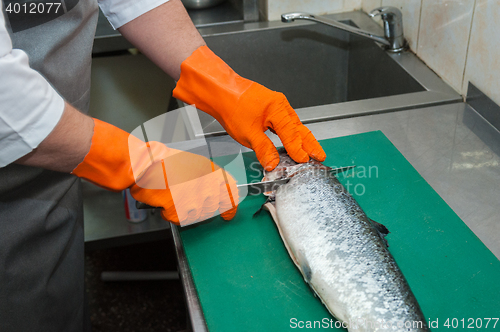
(342, 256)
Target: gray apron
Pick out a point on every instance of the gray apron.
(41, 213)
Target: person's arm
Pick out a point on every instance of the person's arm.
(69, 142)
(166, 35)
(37, 128)
(66, 146)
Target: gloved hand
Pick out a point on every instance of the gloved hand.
(245, 109)
(187, 187)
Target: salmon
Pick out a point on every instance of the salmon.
(340, 252)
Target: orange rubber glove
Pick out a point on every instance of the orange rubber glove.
(187, 187)
(245, 109)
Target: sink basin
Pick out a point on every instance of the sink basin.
(315, 65)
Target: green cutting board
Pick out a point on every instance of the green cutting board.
(247, 282)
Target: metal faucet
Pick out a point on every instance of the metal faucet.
(393, 38)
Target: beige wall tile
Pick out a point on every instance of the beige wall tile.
(483, 59)
(411, 18)
(443, 37)
(277, 7)
(369, 5)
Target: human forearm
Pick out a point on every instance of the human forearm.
(166, 35)
(66, 146)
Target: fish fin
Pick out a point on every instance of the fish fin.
(381, 230)
(304, 266)
(263, 207)
(258, 211)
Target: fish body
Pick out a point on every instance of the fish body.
(340, 252)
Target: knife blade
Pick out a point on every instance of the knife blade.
(257, 188)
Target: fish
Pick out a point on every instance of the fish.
(341, 253)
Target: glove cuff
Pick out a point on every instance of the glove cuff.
(207, 82)
(107, 164)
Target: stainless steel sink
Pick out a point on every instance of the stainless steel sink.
(315, 65)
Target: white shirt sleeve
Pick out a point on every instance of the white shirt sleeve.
(30, 108)
(119, 12)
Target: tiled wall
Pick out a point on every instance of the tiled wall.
(458, 39)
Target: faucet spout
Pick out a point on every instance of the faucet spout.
(392, 43)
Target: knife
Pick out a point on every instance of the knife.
(257, 188)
